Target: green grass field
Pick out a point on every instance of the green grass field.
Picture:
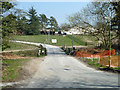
(77, 39)
(20, 46)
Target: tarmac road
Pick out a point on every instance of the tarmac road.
(61, 71)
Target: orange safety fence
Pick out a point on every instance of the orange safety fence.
(114, 61)
(103, 57)
(106, 53)
(82, 54)
(101, 54)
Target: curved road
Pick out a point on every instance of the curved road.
(61, 71)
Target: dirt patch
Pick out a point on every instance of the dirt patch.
(30, 68)
(12, 56)
(27, 70)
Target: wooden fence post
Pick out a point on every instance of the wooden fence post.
(92, 57)
(39, 52)
(99, 60)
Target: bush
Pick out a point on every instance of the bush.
(31, 53)
(5, 44)
(69, 51)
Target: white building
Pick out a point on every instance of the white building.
(79, 30)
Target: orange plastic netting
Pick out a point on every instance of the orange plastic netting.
(101, 54)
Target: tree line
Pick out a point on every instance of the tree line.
(18, 21)
(93, 15)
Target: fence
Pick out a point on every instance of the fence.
(103, 57)
(101, 54)
(115, 61)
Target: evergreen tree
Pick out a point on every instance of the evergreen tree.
(8, 24)
(22, 25)
(53, 23)
(6, 6)
(44, 21)
(33, 23)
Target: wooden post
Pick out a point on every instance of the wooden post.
(41, 48)
(99, 60)
(45, 51)
(39, 52)
(92, 57)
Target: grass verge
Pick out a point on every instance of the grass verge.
(94, 64)
(11, 69)
(20, 46)
(30, 53)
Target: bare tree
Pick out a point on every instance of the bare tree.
(92, 19)
(65, 26)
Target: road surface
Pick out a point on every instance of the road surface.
(61, 71)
